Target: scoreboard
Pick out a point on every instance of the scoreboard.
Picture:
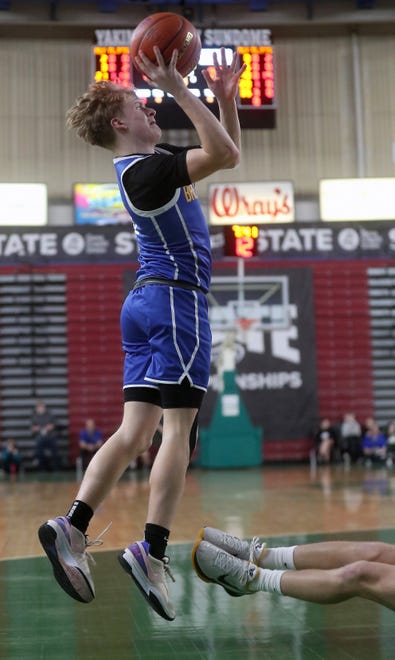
(113, 63)
(241, 240)
(256, 87)
(256, 94)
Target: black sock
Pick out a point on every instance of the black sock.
(80, 515)
(157, 537)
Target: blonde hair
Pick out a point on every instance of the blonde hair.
(90, 115)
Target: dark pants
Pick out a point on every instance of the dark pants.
(47, 453)
(86, 457)
(352, 446)
(12, 465)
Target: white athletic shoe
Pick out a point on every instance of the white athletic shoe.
(238, 577)
(66, 547)
(149, 575)
(252, 551)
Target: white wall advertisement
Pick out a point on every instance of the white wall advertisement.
(357, 199)
(23, 204)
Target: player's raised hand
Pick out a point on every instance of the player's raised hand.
(225, 83)
(165, 77)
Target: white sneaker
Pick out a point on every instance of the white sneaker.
(252, 551)
(149, 575)
(237, 576)
(66, 546)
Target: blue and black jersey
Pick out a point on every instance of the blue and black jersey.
(171, 229)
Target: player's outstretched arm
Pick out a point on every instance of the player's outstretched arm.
(218, 150)
(224, 86)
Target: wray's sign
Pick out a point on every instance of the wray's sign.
(268, 201)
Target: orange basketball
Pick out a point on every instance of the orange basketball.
(167, 31)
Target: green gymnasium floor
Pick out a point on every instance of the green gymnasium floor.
(39, 622)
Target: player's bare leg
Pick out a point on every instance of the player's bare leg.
(134, 436)
(146, 561)
(167, 478)
(64, 537)
(333, 554)
(373, 581)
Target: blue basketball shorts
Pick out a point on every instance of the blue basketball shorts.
(166, 337)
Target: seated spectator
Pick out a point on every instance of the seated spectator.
(11, 459)
(44, 433)
(390, 443)
(374, 444)
(325, 441)
(90, 440)
(350, 438)
(370, 422)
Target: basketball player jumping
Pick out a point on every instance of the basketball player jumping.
(164, 320)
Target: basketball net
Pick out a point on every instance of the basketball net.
(244, 325)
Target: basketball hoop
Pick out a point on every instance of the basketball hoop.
(245, 324)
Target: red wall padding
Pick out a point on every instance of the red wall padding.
(343, 339)
(95, 357)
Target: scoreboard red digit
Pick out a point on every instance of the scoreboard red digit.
(241, 241)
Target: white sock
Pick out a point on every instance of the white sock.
(279, 558)
(267, 580)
